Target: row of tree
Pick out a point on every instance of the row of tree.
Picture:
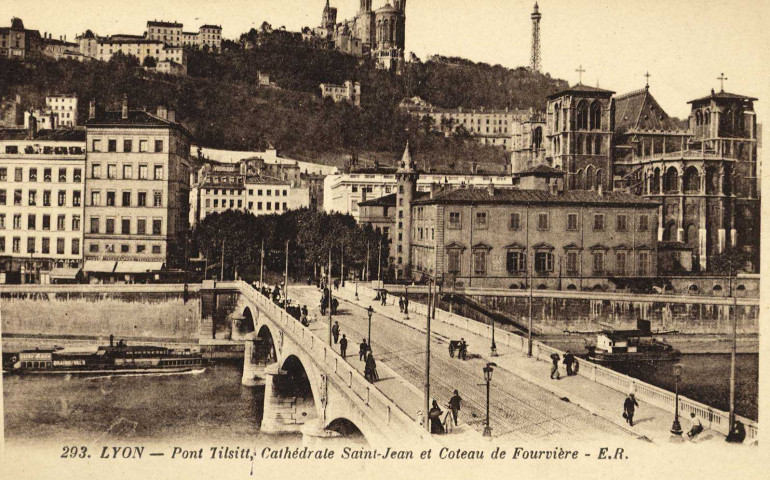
(239, 237)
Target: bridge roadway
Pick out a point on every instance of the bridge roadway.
(519, 409)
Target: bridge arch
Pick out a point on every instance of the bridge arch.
(346, 428)
(247, 323)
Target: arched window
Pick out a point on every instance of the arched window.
(691, 235)
(589, 146)
(537, 138)
(656, 181)
(581, 180)
(707, 117)
(579, 144)
(582, 115)
(556, 117)
(671, 180)
(599, 178)
(596, 115)
(589, 177)
(669, 234)
(598, 146)
(691, 179)
(698, 117)
(392, 31)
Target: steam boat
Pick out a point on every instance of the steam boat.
(628, 346)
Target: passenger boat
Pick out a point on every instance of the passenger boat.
(106, 359)
(630, 346)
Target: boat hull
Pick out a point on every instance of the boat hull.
(603, 358)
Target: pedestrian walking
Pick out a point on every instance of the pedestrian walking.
(363, 348)
(371, 365)
(343, 346)
(462, 350)
(304, 310)
(629, 407)
(384, 296)
(569, 360)
(336, 331)
(555, 367)
(695, 426)
(406, 305)
(401, 304)
(454, 405)
(434, 414)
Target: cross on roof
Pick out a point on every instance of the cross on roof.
(580, 71)
(722, 79)
(647, 75)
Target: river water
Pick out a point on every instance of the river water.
(210, 406)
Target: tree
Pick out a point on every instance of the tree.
(149, 62)
(734, 259)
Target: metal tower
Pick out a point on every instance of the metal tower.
(535, 63)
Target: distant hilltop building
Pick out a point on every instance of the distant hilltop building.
(61, 111)
(380, 33)
(16, 41)
(347, 92)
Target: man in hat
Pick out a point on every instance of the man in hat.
(629, 406)
(454, 405)
(555, 366)
(336, 331)
(343, 346)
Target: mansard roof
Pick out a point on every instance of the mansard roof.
(508, 196)
(722, 95)
(580, 88)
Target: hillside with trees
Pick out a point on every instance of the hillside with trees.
(222, 105)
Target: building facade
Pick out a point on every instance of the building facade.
(137, 193)
(42, 175)
(207, 36)
(18, 42)
(347, 92)
(66, 106)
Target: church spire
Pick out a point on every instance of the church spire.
(407, 164)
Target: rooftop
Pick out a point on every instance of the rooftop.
(724, 96)
(542, 170)
(515, 196)
(580, 88)
(68, 135)
(389, 200)
(136, 119)
(161, 23)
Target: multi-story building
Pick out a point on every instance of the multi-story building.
(169, 33)
(137, 193)
(207, 37)
(41, 204)
(60, 48)
(347, 92)
(18, 42)
(488, 126)
(168, 58)
(66, 106)
(485, 237)
(528, 142)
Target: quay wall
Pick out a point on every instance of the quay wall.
(125, 311)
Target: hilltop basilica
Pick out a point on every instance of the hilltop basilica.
(379, 33)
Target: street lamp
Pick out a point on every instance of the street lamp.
(493, 348)
(370, 311)
(488, 377)
(356, 287)
(406, 301)
(676, 428)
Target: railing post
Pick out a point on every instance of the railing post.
(350, 379)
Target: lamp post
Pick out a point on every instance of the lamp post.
(369, 311)
(676, 427)
(356, 287)
(488, 377)
(493, 348)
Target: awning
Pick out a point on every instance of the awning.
(99, 266)
(138, 267)
(64, 273)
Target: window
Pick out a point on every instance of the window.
(3, 174)
(598, 262)
(142, 172)
(127, 198)
(128, 172)
(2, 197)
(62, 175)
(2, 220)
(32, 198)
(78, 175)
(109, 226)
(644, 259)
(454, 260)
(598, 222)
(141, 226)
(141, 248)
(17, 174)
(94, 224)
(622, 223)
(515, 261)
(216, 202)
(158, 172)
(110, 199)
(96, 145)
(643, 225)
(46, 174)
(259, 205)
(75, 223)
(543, 262)
(158, 146)
(109, 247)
(454, 220)
(31, 245)
(141, 199)
(156, 249)
(125, 248)
(60, 246)
(112, 171)
(284, 205)
(481, 220)
(620, 263)
(479, 262)
(96, 171)
(17, 221)
(33, 174)
(17, 197)
(572, 222)
(46, 245)
(61, 221)
(127, 145)
(515, 223)
(62, 198)
(572, 263)
(157, 226)
(125, 226)
(31, 221)
(76, 246)
(542, 221)
(112, 145)
(16, 245)
(93, 248)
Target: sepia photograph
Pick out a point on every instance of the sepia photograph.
(389, 239)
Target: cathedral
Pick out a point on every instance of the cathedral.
(379, 33)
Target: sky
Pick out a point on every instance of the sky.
(684, 44)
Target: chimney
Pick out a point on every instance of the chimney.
(491, 189)
(32, 133)
(124, 114)
(162, 112)
(171, 115)
(92, 109)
